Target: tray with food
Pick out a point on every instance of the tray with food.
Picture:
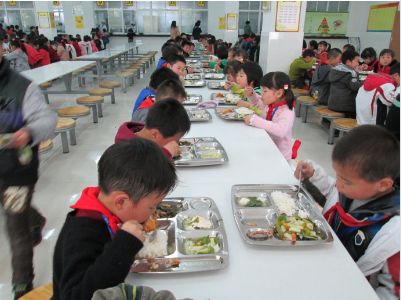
(193, 77)
(226, 98)
(216, 85)
(200, 151)
(199, 115)
(5, 140)
(185, 235)
(193, 99)
(233, 113)
(192, 60)
(277, 215)
(218, 76)
(194, 83)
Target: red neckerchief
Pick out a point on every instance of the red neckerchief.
(89, 201)
(147, 103)
(272, 108)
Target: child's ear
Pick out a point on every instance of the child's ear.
(280, 93)
(119, 200)
(155, 133)
(385, 184)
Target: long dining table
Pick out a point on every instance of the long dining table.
(255, 272)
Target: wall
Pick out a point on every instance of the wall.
(78, 7)
(218, 9)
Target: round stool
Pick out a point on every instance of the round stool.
(304, 101)
(110, 85)
(73, 112)
(44, 86)
(342, 125)
(94, 102)
(63, 126)
(299, 92)
(102, 92)
(45, 146)
(44, 292)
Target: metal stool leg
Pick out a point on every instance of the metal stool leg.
(64, 141)
(113, 99)
(297, 109)
(305, 115)
(99, 110)
(46, 97)
(94, 113)
(332, 131)
(73, 138)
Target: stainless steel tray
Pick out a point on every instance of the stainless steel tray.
(198, 115)
(193, 77)
(215, 76)
(194, 83)
(223, 112)
(263, 219)
(193, 99)
(200, 151)
(192, 60)
(216, 85)
(172, 223)
(224, 98)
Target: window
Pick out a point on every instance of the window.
(19, 13)
(250, 10)
(329, 6)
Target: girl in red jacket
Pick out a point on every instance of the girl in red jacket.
(386, 61)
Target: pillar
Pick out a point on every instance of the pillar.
(218, 9)
(45, 18)
(78, 17)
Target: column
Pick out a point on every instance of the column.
(45, 18)
(220, 9)
(78, 17)
(279, 49)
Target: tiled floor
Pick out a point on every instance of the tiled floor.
(63, 176)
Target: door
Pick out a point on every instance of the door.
(395, 36)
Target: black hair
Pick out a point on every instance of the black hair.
(186, 42)
(170, 88)
(136, 167)
(335, 52)
(174, 58)
(87, 38)
(370, 150)
(161, 75)
(240, 52)
(253, 72)
(304, 45)
(197, 23)
(173, 24)
(395, 69)
(308, 52)
(326, 44)
(233, 67)
(247, 22)
(222, 52)
(170, 50)
(348, 55)
(387, 51)
(169, 117)
(369, 53)
(347, 47)
(18, 44)
(313, 44)
(41, 43)
(277, 81)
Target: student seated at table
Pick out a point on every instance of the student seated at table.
(148, 93)
(348, 47)
(369, 57)
(313, 45)
(177, 64)
(169, 88)
(86, 46)
(362, 205)
(167, 50)
(186, 46)
(344, 84)
(385, 62)
(231, 71)
(278, 117)
(248, 79)
(322, 52)
(240, 55)
(320, 84)
(220, 61)
(299, 68)
(375, 96)
(393, 116)
(166, 123)
(101, 236)
(43, 50)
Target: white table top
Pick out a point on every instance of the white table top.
(108, 53)
(324, 272)
(54, 70)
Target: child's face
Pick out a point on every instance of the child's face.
(270, 96)
(231, 77)
(187, 48)
(159, 139)
(350, 184)
(139, 211)
(385, 59)
(368, 60)
(178, 68)
(321, 48)
(308, 59)
(230, 56)
(242, 79)
(353, 63)
(239, 58)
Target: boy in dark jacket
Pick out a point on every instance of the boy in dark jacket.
(320, 80)
(344, 84)
(101, 236)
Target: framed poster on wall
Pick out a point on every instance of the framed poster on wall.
(381, 17)
(232, 22)
(288, 14)
(325, 24)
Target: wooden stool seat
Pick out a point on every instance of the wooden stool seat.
(345, 123)
(63, 126)
(125, 74)
(73, 111)
(87, 100)
(328, 113)
(65, 123)
(306, 100)
(44, 292)
(109, 84)
(299, 92)
(45, 146)
(100, 92)
(45, 85)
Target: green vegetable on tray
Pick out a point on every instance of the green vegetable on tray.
(293, 228)
(202, 245)
(255, 202)
(257, 110)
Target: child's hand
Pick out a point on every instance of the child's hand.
(20, 139)
(249, 91)
(247, 119)
(363, 67)
(228, 85)
(173, 148)
(305, 169)
(217, 67)
(243, 103)
(134, 228)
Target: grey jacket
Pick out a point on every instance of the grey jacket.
(140, 115)
(344, 86)
(321, 83)
(18, 60)
(129, 292)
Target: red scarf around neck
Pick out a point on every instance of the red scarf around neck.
(272, 108)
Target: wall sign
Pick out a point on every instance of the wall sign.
(232, 21)
(288, 15)
(381, 17)
(222, 23)
(43, 20)
(325, 24)
(79, 22)
(100, 3)
(172, 3)
(56, 3)
(129, 3)
(200, 4)
(12, 3)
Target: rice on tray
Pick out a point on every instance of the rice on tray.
(156, 248)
